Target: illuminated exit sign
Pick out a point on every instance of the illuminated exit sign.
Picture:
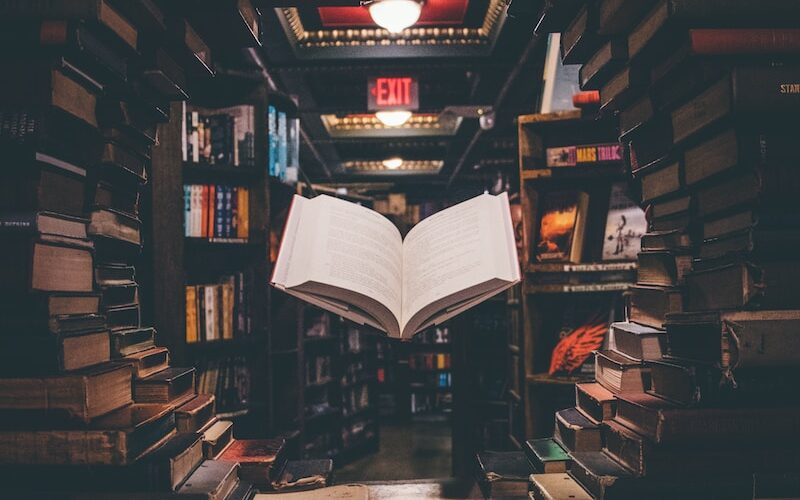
(400, 92)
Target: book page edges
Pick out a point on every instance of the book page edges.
(281, 272)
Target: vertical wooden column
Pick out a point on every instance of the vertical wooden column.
(162, 206)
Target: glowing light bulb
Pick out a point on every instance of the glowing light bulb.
(393, 163)
(393, 118)
(395, 15)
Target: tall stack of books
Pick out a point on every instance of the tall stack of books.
(87, 399)
(695, 398)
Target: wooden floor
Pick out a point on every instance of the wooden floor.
(430, 489)
(408, 451)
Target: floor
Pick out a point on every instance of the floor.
(408, 451)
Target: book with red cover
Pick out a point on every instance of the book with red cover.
(256, 458)
(586, 99)
(744, 41)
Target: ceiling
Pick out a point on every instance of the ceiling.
(465, 53)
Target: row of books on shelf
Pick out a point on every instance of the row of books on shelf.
(229, 380)
(356, 372)
(223, 136)
(437, 335)
(563, 223)
(424, 403)
(216, 211)
(355, 400)
(318, 369)
(423, 381)
(219, 311)
(284, 145)
(429, 361)
(358, 432)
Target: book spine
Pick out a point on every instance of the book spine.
(195, 137)
(191, 314)
(244, 213)
(187, 210)
(228, 211)
(219, 212)
(211, 204)
(210, 318)
(184, 133)
(744, 41)
(18, 222)
(234, 213)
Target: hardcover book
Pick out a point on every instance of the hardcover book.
(561, 226)
(503, 473)
(362, 269)
(625, 226)
(546, 455)
(575, 432)
(554, 486)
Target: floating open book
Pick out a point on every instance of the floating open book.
(353, 261)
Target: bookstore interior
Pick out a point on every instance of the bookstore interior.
(400, 249)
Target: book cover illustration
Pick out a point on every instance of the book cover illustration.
(625, 226)
(559, 227)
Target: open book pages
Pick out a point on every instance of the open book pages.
(352, 261)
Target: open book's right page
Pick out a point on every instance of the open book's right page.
(455, 258)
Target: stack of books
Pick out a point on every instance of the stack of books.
(694, 398)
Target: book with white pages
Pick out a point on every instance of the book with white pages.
(353, 261)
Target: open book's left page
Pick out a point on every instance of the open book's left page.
(345, 258)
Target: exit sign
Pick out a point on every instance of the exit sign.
(397, 92)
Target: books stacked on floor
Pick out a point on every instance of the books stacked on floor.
(82, 127)
(223, 136)
(216, 212)
(219, 311)
(503, 474)
(694, 397)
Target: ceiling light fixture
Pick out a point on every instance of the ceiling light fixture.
(393, 163)
(395, 15)
(393, 118)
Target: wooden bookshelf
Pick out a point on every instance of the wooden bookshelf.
(180, 261)
(553, 291)
(319, 410)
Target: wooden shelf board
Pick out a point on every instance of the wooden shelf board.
(610, 169)
(365, 380)
(588, 267)
(234, 414)
(319, 383)
(225, 345)
(219, 242)
(322, 338)
(557, 116)
(514, 441)
(545, 379)
(532, 289)
(221, 170)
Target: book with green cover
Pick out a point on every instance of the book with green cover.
(546, 455)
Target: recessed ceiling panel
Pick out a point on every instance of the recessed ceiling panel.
(366, 125)
(434, 13)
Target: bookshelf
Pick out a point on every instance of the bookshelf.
(231, 263)
(327, 367)
(562, 152)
